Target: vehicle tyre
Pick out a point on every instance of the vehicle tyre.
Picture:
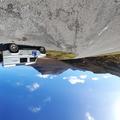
(42, 50)
(13, 48)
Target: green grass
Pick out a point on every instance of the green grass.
(60, 55)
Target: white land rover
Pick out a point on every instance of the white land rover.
(13, 54)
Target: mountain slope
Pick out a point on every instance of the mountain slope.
(84, 27)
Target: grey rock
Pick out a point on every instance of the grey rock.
(84, 27)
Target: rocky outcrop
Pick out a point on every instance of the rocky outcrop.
(84, 27)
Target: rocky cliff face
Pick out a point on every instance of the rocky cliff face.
(85, 27)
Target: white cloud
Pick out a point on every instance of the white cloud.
(83, 76)
(107, 76)
(18, 83)
(35, 109)
(95, 78)
(47, 100)
(33, 87)
(64, 78)
(52, 76)
(89, 117)
(75, 80)
(43, 76)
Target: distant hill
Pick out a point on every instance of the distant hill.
(99, 65)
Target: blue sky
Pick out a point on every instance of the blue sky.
(72, 95)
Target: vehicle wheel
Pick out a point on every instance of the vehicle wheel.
(13, 48)
(42, 50)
